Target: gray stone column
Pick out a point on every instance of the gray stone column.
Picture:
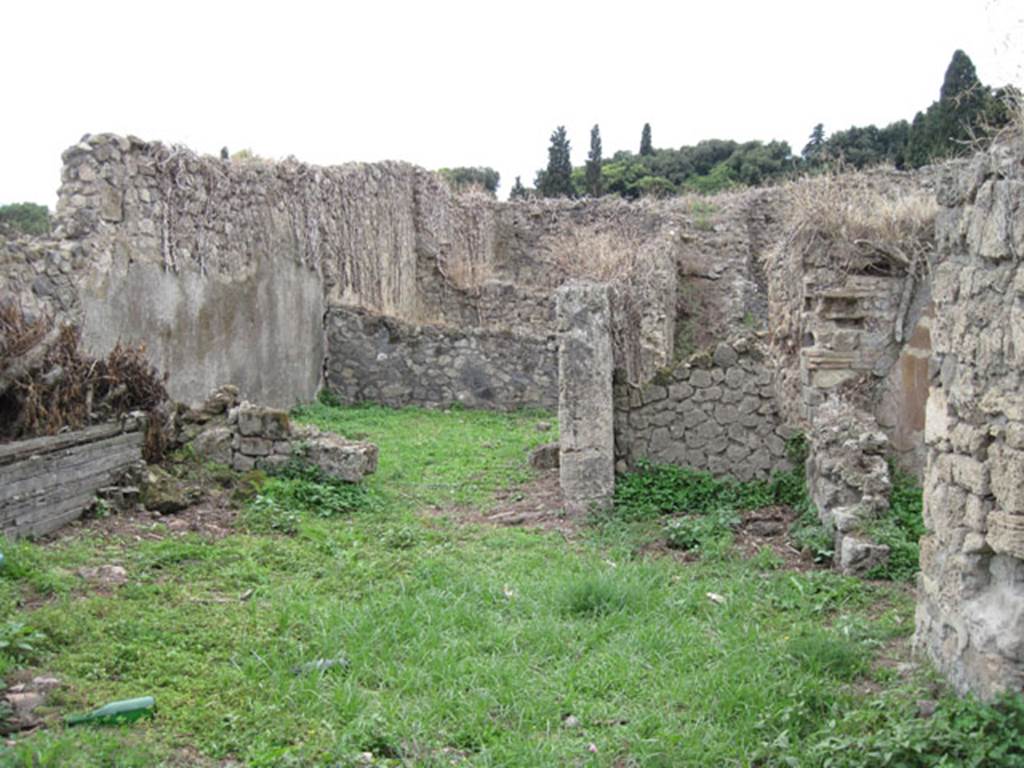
(585, 405)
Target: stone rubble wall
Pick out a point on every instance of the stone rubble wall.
(714, 412)
(224, 268)
(245, 437)
(46, 482)
(845, 321)
(848, 480)
(970, 615)
(375, 359)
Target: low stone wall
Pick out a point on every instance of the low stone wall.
(47, 482)
(970, 617)
(714, 412)
(848, 481)
(245, 436)
(374, 359)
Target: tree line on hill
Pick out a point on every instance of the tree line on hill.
(966, 114)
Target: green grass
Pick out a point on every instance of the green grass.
(463, 643)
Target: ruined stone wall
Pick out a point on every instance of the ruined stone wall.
(379, 359)
(38, 273)
(223, 268)
(850, 303)
(970, 616)
(714, 412)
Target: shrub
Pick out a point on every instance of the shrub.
(901, 529)
(711, 531)
(658, 489)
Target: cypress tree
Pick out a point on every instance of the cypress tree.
(593, 174)
(556, 180)
(646, 147)
(518, 191)
(816, 143)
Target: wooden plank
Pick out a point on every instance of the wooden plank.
(15, 478)
(22, 449)
(50, 485)
(56, 494)
(40, 525)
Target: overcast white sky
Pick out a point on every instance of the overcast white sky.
(470, 83)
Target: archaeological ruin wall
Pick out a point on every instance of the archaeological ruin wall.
(376, 359)
(225, 269)
(715, 412)
(970, 615)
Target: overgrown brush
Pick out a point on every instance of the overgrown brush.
(846, 213)
(48, 384)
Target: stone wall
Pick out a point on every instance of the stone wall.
(46, 482)
(223, 268)
(849, 301)
(379, 359)
(848, 481)
(970, 616)
(716, 412)
(245, 436)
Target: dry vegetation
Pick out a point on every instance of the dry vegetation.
(47, 384)
(848, 214)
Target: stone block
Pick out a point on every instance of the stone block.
(1007, 473)
(858, 556)
(725, 356)
(214, 445)
(544, 456)
(255, 446)
(970, 474)
(337, 457)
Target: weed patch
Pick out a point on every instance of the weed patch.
(901, 529)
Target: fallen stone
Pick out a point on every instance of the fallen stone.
(544, 456)
(45, 683)
(165, 493)
(108, 575)
(857, 556)
(22, 704)
(337, 457)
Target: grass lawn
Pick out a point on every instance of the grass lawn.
(462, 644)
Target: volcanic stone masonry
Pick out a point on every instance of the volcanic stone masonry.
(374, 359)
(715, 411)
(970, 614)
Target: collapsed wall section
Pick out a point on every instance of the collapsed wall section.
(384, 360)
(715, 412)
(970, 615)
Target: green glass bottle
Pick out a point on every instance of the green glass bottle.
(126, 711)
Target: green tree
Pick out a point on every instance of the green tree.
(556, 179)
(812, 152)
(594, 184)
(24, 219)
(465, 178)
(518, 191)
(966, 112)
(646, 147)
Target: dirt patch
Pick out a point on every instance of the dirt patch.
(759, 529)
(212, 518)
(536, 504)
(769, 527)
